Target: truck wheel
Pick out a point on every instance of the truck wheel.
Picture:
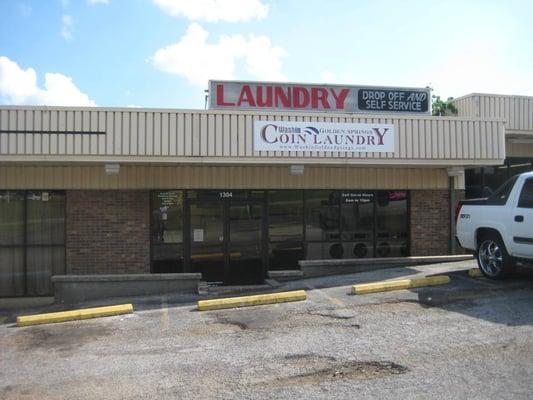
(493, 259)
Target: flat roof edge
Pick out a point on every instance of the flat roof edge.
(492, 95)
(250, 112)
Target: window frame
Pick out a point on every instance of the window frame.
(529, 183)
(25, 245)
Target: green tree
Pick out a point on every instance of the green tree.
(443, 108)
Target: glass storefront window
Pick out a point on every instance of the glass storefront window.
(45, 223)
(245, 223)
(11, 218)
(285, 215)
(483, 181)
(285, 227)
(32, 241)
(245, 248)
(207, 239)
(494, 177)
(167, 231)
(285, 255)
(167, 217)
(391, 224)
(225, 194)
(45, 234)
(322, 215)
(42, 262)
(357, 223)
(324, 250)
(322, 225)
(474, 188)
(12, 269)
(207, 225)
(226, 237)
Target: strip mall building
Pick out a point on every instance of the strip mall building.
(271, 174)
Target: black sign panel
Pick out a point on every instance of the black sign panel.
(357, 197)
(408, 101)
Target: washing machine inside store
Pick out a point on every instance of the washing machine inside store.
(391, 245)
(358, 245)
(324, 250)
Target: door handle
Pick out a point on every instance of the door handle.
(519, 218)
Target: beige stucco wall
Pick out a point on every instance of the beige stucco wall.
(519, 149)
(96, 135)
(517, 111)
(219, 177)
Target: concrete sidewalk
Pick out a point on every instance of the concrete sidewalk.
(11, 307)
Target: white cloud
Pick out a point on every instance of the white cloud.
(263, 60)
(215, 10)
(93, 2)
(479, 58)
(66, 27)
(19, 86)
(199, 61)
(483, 67)
(330, 77)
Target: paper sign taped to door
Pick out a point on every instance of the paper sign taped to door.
(198, 235)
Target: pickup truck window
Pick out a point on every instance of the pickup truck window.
(499, 198)
(526, 196)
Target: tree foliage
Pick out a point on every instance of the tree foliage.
(443, 107)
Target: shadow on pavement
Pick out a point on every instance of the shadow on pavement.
(470, 296)
(351, 279)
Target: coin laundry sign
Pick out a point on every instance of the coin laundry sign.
(322, 136)
(316, 98)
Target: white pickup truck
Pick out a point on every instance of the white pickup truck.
(499, 229)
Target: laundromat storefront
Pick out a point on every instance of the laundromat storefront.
(230, 193)
(236, 235)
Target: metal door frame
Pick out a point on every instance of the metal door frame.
(226, 203)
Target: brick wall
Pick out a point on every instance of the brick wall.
(430, 222)
(107, 232)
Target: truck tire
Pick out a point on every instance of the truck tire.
(493, 259)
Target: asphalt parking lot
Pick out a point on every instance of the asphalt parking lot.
(472, 338)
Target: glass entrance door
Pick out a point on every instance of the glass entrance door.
(208, 243)
(245, 244)
(226, 238)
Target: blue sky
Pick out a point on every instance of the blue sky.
(160, 53)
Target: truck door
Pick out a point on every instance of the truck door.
(523, 222)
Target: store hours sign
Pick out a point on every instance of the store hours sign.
(323, 136)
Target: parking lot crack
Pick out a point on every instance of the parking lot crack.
(333, 315)
(224, 320)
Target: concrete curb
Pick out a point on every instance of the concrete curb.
(248, 301)
(475, 273)
(73, 315)
(316, 268)
(385, 286)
